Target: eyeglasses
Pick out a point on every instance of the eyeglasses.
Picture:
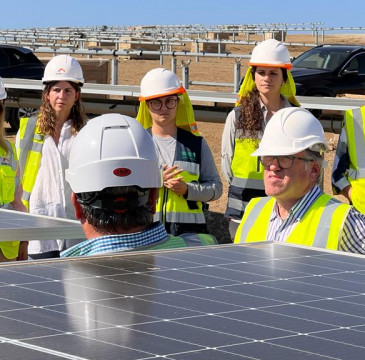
(285, 162)
(156, 104)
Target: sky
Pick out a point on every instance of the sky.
(21, 14)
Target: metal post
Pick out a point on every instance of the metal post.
(316, 37)
(173, 64)
(237, 75)
(114, 80)
(322, 35)
(185, 73)
(197, 50)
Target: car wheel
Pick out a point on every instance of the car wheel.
(14, 114)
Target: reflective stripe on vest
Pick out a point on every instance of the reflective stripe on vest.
(355, 129)
(174, 208)
(247, 173)
(30, 155)
(8, 167)
(321, 225)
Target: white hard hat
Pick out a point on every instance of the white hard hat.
(3, 93)
(290, 131)
(160, 82)
(63, 68)
(271, 53)
(113, 150)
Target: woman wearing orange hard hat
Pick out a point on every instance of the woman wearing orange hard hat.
(189, 172)
(267, 87)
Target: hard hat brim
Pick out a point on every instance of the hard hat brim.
(284, 66)
(180, 90)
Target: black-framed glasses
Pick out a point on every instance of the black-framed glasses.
(285, 162)
(156, 104)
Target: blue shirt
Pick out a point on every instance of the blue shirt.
(121, 242)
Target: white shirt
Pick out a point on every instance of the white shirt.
(51, 194)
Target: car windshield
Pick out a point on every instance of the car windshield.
(321, 59)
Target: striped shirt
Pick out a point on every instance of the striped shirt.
(121, 242)
(352, 238)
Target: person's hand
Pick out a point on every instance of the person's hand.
(170, 172)
(172, 180)
(177, 185)
(23, 251)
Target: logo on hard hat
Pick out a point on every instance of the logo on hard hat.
(61, 70)
(122, 172)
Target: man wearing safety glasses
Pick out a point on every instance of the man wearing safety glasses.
(295, 209)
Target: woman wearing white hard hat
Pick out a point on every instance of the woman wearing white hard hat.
(267, 87)
(43, 144)
(189, 172)
(10, 187)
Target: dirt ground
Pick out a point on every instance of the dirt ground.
(221, 71)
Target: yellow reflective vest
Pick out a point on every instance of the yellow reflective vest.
(321, 226)
(8, 187)
(29, 154)
(8, 167)
(355, 130)
(172, 208)
(248, 174)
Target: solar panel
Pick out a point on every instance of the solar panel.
(16, 225)
(263, 301)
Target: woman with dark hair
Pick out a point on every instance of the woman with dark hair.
(10, 187)
(43, 144)
(267, 87)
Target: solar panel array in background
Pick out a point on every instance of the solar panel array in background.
(15, 225)
(226, 302)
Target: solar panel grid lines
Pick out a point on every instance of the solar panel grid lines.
(264, 301)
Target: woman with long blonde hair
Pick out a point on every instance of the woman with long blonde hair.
(44, 142)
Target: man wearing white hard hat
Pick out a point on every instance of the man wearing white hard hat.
(190, 176)
(296, 210)
(115, 176)
(43, 145)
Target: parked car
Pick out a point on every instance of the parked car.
(19, 62)
(330, 70)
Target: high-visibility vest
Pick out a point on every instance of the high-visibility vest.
(8, 186)
(8, 167)
(171, 207)
(29, 154)
(321, 226)
(355, 130)
(248, 175)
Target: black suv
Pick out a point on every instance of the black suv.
(329, 70)
(18, 62)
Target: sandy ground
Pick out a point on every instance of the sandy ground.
(222, 70)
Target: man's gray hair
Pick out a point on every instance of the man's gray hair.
(318, 157)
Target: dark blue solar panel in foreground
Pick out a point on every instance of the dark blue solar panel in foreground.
(226, 302)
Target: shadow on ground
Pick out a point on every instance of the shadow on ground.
(218, 226)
